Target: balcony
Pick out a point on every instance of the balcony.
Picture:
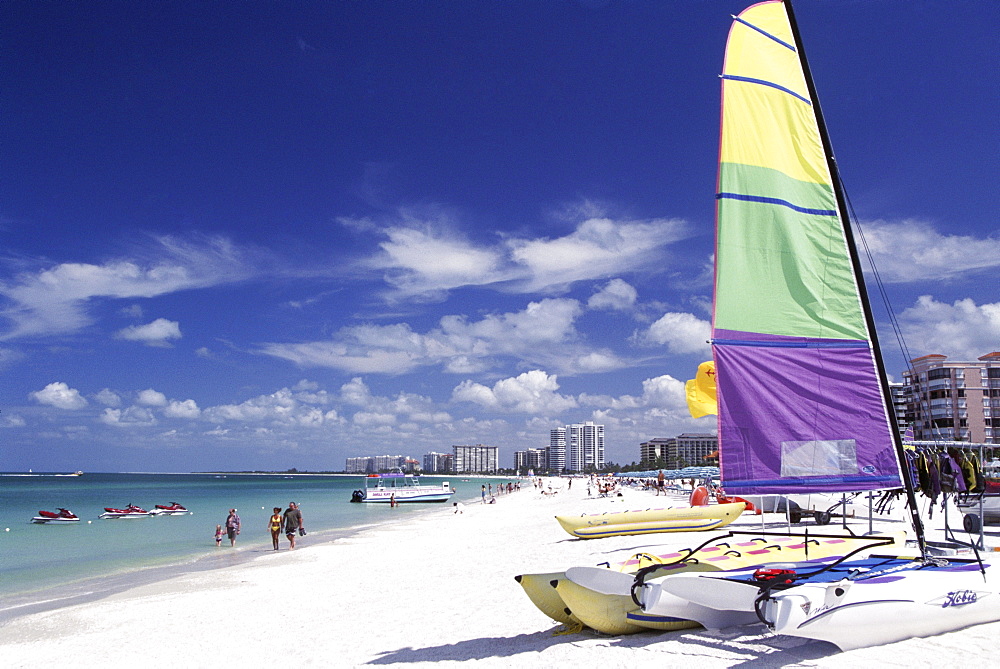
(939, 384)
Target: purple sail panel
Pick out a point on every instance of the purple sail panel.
(799, 415)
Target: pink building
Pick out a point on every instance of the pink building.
(954, 400)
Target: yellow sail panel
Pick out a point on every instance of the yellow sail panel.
(768, 117)
(784, 136)
(769, 57)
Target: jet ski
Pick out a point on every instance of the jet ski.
(172, 509)
(62, 516)
(130, 511)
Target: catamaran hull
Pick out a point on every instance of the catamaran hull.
(888, 609)
(651, 521)
(541, 590)
(602, 598)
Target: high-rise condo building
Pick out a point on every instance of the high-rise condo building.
(584, 447)
(953, 400)
(557, 451)
(476, 459)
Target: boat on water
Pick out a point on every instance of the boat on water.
(55, 517)
(651, 521)
(130, 511)
(172, 509)
(398, 487)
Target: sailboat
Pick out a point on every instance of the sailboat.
(802, 393)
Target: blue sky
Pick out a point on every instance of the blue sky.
(260, 235)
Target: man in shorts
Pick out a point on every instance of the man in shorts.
(292, 520)
(232, 526)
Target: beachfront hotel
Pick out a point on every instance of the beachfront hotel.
(531, 460)
(684, 450)
(476, 459)
(576, 448)
(953, 400)
(439, 463)
(371, 464)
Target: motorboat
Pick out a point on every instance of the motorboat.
(172, 509)
(61, 516)
(130, 511)
(397, 487)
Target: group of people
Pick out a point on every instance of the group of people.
(289, 522)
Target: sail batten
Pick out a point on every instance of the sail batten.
(801, 404)
(761, 82)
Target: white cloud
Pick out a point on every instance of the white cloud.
(962, 330)
(108, 398)
(370, 419)
(615, 295)
(12, 420)
(185, 409)
(598, 248)
(680, 333)
(664, 391)
(915, 251)
(60, 395)
(55, 300)
(152, 398)
(426, 258)
(133, 416)
(531, 392)
(597, 361)
(421, 260)
(543, 333)
(661, 392)
(284, 407)
(157, 333)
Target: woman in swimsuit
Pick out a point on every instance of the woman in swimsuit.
(275, 526)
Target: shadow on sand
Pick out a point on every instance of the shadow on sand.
(737, 647)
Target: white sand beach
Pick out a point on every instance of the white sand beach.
(438, 590)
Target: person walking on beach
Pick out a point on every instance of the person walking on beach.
(292, 521)
(659, 483)
(232, 526)
(483, 494)
(218, 535)
(275, 526)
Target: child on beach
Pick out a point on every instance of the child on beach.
(218, 535)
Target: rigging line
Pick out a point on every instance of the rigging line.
(887, 303)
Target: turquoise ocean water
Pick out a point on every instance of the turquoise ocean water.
(52, 561)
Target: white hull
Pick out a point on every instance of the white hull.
(110, 514)
(165, 512)
(42, 520)
(884, 610)
(384, 496)
(398, 488)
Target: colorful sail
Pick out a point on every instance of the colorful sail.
(801, 405)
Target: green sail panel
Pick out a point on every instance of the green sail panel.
(781, 265)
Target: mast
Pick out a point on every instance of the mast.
(838, 189)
